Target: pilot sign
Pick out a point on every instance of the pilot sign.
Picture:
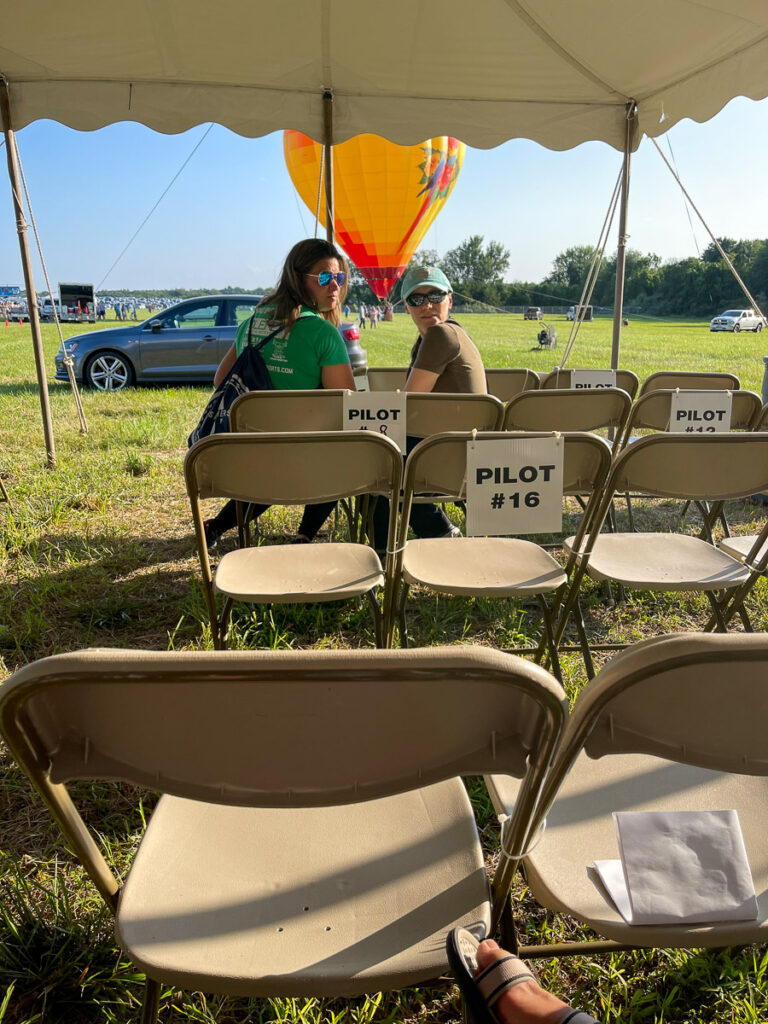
(700, 412)
(515, 486)
(380, 411)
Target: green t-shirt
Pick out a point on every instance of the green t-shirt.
(295, 360)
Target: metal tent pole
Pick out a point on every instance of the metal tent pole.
(328, 162)
(621, 251)
(29, 281)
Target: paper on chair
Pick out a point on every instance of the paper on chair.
(680, 867)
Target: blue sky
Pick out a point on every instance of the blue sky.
(233, 213)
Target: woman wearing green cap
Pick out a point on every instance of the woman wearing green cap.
(445, 360)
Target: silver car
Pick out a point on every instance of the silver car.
(180, 345)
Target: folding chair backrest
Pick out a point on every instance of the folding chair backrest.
(690, 380)
(439, 462)
(292, 469)
(697, 698)
(506, 384)
(693, 466)
(280, 729)
(761, 423)
(701, 699)
(652, 412)
(428, 414)
(625, 379)
(387, 378)
(287, 411)
(568, 409)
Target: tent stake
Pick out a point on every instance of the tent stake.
(621, 251)
(328, 162)
(29, 282)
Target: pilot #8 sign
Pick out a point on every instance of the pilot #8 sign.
(514, 486)
(380, 411)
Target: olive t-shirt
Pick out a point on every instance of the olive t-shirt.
(295, 359)
(447, 350)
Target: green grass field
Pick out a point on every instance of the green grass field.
(100, 552)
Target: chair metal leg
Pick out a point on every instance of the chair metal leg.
(378, 618)
(629, 513)
(582, 631)
(717, 611)
(401, 618)
(551, 645)
(151, 1001)
(222, 629)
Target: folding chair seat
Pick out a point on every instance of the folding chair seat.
(568, 409)
(387, 378)
(689, 380)
(293, 469)
(677, 723)
(500, 567)
(560, 378)
(686, 467)
(312, 838)
(505, 384)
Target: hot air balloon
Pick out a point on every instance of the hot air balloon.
(385, 196)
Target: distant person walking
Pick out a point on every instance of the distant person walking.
(117, 311)
(362, 316)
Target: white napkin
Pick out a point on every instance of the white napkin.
(680, 867)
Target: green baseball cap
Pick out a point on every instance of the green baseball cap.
(424, 276)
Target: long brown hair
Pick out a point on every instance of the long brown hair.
(291, 293)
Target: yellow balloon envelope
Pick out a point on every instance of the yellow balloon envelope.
(385, 196)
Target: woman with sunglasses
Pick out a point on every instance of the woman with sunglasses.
(445, 360)
(308, 353)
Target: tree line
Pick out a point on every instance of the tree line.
(699, 286)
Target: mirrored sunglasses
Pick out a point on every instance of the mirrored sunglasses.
(419, 298)
(325, 277)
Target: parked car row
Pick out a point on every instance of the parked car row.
(180, 345)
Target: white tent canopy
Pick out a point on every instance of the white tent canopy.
(557, 71)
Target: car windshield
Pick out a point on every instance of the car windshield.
(731, 312)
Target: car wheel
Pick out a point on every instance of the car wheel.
(109, 371)
(758, 328)
(736, 328)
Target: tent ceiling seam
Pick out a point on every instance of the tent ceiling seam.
(554, 45)
(325, 43)
(134, 82)
(659, 93)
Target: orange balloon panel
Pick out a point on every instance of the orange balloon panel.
(385, 196)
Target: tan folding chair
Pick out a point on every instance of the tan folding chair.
(689, 380)
(652, 411)
(559, 378)
(293, 469)
(506, 384)
(501, 567)
(762, 420)
(568, 409)
(387, 378)
(313, 838)
(712, 467)
(672, 724)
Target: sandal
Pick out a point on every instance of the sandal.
(482, 991)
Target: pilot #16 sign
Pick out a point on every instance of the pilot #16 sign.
(514, 486)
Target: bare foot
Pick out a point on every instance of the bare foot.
(526, 1002)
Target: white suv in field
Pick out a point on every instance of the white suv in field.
(738, 320)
